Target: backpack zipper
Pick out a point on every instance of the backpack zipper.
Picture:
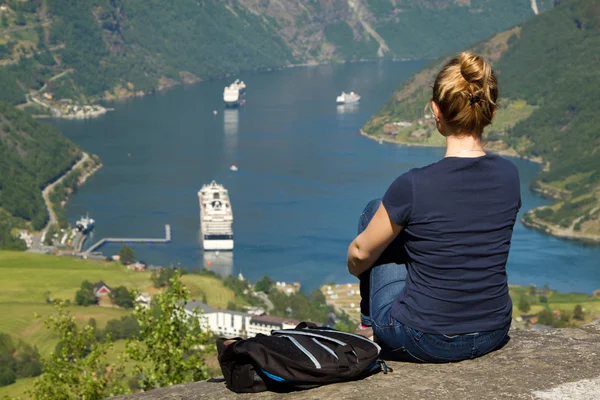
(303, 349)
(326, 348)
(294, 332)
(356, 336)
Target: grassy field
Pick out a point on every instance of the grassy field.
(28, 279)
(17, 390)
(555, 301)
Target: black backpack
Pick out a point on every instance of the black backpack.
(300, 358)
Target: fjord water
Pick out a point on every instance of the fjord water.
(304, 175)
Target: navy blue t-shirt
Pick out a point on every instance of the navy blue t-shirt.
(458, 216)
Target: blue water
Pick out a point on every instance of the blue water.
(304, 175)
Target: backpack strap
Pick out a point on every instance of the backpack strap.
(221, 343)
(343, 353)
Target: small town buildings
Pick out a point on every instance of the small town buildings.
(143, 300)
(101, 289)
(265, 324)
(288, 288)
(235, 323)
(137, 266)
(221, 322)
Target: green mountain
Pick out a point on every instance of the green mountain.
(32, 154)
(549, 78)
(86, 50)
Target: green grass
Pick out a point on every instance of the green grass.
(19, 320)
(27, 278)
(17, 390)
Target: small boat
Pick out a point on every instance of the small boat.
(233, 168)
(347, 98)
(214, 112)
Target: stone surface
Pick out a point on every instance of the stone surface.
(557, 364)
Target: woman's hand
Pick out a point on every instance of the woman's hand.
(368, 246)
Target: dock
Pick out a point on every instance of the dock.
(104, 241)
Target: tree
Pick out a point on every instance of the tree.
(4, 20)
(79, 368)
(265, 284)
(126, 255)
(172, 345)
(163, 277)
(532, 290)
(122, 297)
(85, 295)
(545, 317)
(578, 313)
(20, 19)
(524, 305)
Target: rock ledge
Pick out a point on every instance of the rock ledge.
(557, 364)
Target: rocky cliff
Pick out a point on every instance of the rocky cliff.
(557, 364)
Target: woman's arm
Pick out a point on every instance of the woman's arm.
(368, 246)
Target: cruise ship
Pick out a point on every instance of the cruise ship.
(233, 95)
(347, 98)
(216, 217)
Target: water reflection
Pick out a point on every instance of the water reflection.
(231, 121)
(347, 108)
(220, 262)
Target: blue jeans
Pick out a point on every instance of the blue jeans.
(379, 288)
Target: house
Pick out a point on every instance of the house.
(143, 300)
(101, 289)
(137, 266)
(265, 324)
(220, 322)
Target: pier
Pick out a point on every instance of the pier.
(104, 241)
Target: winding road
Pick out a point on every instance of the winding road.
(48, 189)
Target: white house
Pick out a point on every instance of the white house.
(234, 323)
(220, 322)
(265, 324)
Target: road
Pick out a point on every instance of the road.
(50, 187)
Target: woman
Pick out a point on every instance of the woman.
(431, 255)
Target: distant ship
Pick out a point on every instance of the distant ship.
(233, 95)
(216, 217)
(85, 224)
(347, 98)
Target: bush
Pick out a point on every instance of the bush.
(524, 304)
(85, 295)
(122, 297)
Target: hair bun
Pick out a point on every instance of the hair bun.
(466, 90)
(472, 67)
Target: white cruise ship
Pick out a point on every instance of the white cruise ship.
(347, 98)
(233, 95)
(216, 217)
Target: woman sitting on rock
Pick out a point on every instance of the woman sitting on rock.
(431, 254)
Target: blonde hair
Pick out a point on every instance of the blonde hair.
(466, 91)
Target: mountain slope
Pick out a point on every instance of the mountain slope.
(32, 154)
(86, 50)
(549, 76)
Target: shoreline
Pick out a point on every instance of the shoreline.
(531, 222)
(405, 144)
(190, 80)
(86, 174)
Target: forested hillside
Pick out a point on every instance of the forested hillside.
(32, 154)
(549, 79)
(85, 50)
